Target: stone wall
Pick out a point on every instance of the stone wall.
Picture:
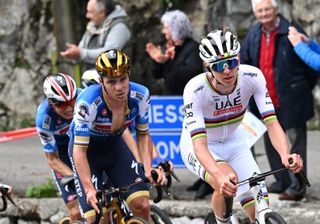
(27, 42)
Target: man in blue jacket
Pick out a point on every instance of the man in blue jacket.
(289, 82)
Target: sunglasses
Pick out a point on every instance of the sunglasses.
(64, 105)
(219, 66)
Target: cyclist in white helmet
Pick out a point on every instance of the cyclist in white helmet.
(53, 119)
(212, 146)
(90, 77)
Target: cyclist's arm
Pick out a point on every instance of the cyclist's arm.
(57, 165)
(131, 142)
(82, 165)
(278, 138)
(144, 150)
(268, 115)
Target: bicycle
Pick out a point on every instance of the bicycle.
(118, 211)
(264, 214)
(4, 189)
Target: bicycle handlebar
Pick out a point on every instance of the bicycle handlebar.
(302, 179)
(165, 165)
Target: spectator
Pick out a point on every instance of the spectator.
(106, 30)
(177, 65)
(307, 49)
(267, 47)
(180, 61)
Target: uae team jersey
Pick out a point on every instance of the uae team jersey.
(216, 116)
(93, 117)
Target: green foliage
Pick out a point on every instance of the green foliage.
(27, 122)
(46, 190)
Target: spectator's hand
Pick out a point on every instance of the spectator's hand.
(72, 52)
(156, 54)
(297, 162)
(295, 37)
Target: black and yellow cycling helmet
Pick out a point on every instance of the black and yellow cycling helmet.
(112, 63)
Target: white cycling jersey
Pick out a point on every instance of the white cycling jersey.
(217, 116)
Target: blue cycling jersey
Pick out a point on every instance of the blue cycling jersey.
(93, 117)
(51, 127)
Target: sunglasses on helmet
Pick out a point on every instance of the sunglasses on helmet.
(220, 65)
(64, 105)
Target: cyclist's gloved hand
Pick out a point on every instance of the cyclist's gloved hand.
(293, 162)
(162, 179)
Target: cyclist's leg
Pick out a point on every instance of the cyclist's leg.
(245, 165)
(69, 196)
(191, 162)
(86, 210)
(125, 165)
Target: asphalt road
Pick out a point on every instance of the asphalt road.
(23, 164)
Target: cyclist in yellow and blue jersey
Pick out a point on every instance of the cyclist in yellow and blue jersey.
(102, 114)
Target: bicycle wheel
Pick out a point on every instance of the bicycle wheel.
(159, 216)
(274, 218)
(65, 220)
(136, 220)
(210, 218)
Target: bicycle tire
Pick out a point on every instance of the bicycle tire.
(210, 218)
(274, 218)
(136, 220)
(159, 216)
(65, 220)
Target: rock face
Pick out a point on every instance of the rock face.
(27, 42)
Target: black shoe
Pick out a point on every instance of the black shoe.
(204, 190)
(290, 197)
(195, 186)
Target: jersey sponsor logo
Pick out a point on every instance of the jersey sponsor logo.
(96, 102)
(137, 95)
(188, 106)
(225, 104)
(82, 128)
(191, 122)
(104, 112)
(198, 89)
(192, 161)
(227, 110)
(189, 114)
(46, 122)
(83, 111)
(250, 74)
(103, 119)
(134, 165)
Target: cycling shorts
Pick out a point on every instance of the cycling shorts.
(116, 161)
(233, 150)
(67, 194)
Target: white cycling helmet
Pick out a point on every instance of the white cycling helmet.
(219, 45)
(90, 77)
(59, 87)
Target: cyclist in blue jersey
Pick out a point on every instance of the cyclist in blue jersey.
(212, 146)
(102, 114)
(53, 119)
